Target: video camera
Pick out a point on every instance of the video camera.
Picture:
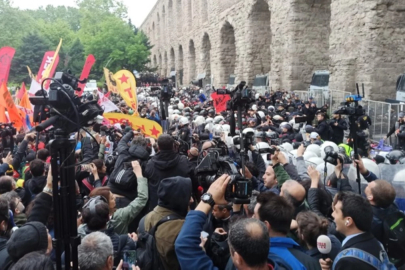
(332, 157)
(239, 189)
(68, 116)
(241, 96)
(165, 92)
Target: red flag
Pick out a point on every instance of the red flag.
(46, 61)
(22, 91)
(220, 101)
(3, 118)
(86, 71)
(6, 55)
(13, 112)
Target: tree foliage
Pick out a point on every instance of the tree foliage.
(98, 27)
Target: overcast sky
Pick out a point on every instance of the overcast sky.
(137, 9)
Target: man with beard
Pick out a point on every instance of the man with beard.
(397, 129)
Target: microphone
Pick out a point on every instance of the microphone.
(324, 245)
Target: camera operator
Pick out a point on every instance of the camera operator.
(166, 163)
(338, 125)
(323, 128)
(309, 111)
(398, 128)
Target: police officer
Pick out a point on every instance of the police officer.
(399, 129)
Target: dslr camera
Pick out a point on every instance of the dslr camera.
(332, 157)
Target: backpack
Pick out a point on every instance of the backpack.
(366, 257)
(148, 257)
(394, 236)
(123, 176)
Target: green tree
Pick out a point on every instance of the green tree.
(50, 14)
(76, 57)
(30, 53)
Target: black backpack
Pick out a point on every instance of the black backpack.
(394, 236)
(148, 257)
(123, 176)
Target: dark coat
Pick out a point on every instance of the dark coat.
(365, 242)
(323, 130)
(163, 165)
(338, 131)
(5, 259)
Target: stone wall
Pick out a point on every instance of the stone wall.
(357, 40)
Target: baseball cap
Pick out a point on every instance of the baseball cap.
(313, 135)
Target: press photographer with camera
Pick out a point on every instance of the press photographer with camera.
(323, 129)
(338, 125)
(399, 129)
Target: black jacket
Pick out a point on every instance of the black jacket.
(5, 259)
(163, 165)
(42, 208)
(338, 131)
(127, 154)
(377, 226)
(365, 242)
(323, 130)
(90, 149)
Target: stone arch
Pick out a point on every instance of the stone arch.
(170, 17)
(172, 66)
(259, 53)
(154, 61)
(180, 70)
(204, 10)
(206, 56)
(179, 15)
(158, 28)
(153, 31)
(163, 19)
(160, 64)
(227, 52)
(191, 61)
(165, 65)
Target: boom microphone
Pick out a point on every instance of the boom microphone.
(324, 245)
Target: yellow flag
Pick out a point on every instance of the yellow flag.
(148, 127)
(126, 86)
(30, 74)
(49, 68)
(109, 80)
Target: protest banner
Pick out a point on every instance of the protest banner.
(85, 72)
(126, 86)
(14, 113)
(6, 56)
(220, 102)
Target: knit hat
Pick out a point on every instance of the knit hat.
(32, 236)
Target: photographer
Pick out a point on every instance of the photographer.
(338, 125)
(323, 128)
(398, 128)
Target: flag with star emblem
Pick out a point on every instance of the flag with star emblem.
(148, 127)
(126, 86)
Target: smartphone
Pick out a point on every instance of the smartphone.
(129, 259)
(204, 234)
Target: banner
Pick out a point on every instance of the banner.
(22, 91)
(30, 74)
(148, 127)
(35, 87)
(3, 118)
(85, 72)
(13, 113)
(106, 104)
(126, 86)
(220, 101)
(46, 62)
(110, 81)
(50, 69)
(6, 55)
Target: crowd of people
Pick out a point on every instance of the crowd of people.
(144, 198)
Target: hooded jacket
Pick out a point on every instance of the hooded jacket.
(174, 197)
(127, 154)
(163, 165)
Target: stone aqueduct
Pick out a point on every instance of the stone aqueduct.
(356, 40)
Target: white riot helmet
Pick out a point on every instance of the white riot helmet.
(170, 107)
(248, 130)
(199, 120)
(261, 114)
(262, 147)
(171, 111)
(307, 155)
(177, 112)
(183, 121)
(154, 104)
(218, 119)
(254, 107)
(326, 144)
(201, 91)
(314, 148)
(287, 147)
(315, 160)
(180, 106)
(209, 127)
(209, 120)
(236, 138)
(257, 96)
(294, 153)
(226, 128)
